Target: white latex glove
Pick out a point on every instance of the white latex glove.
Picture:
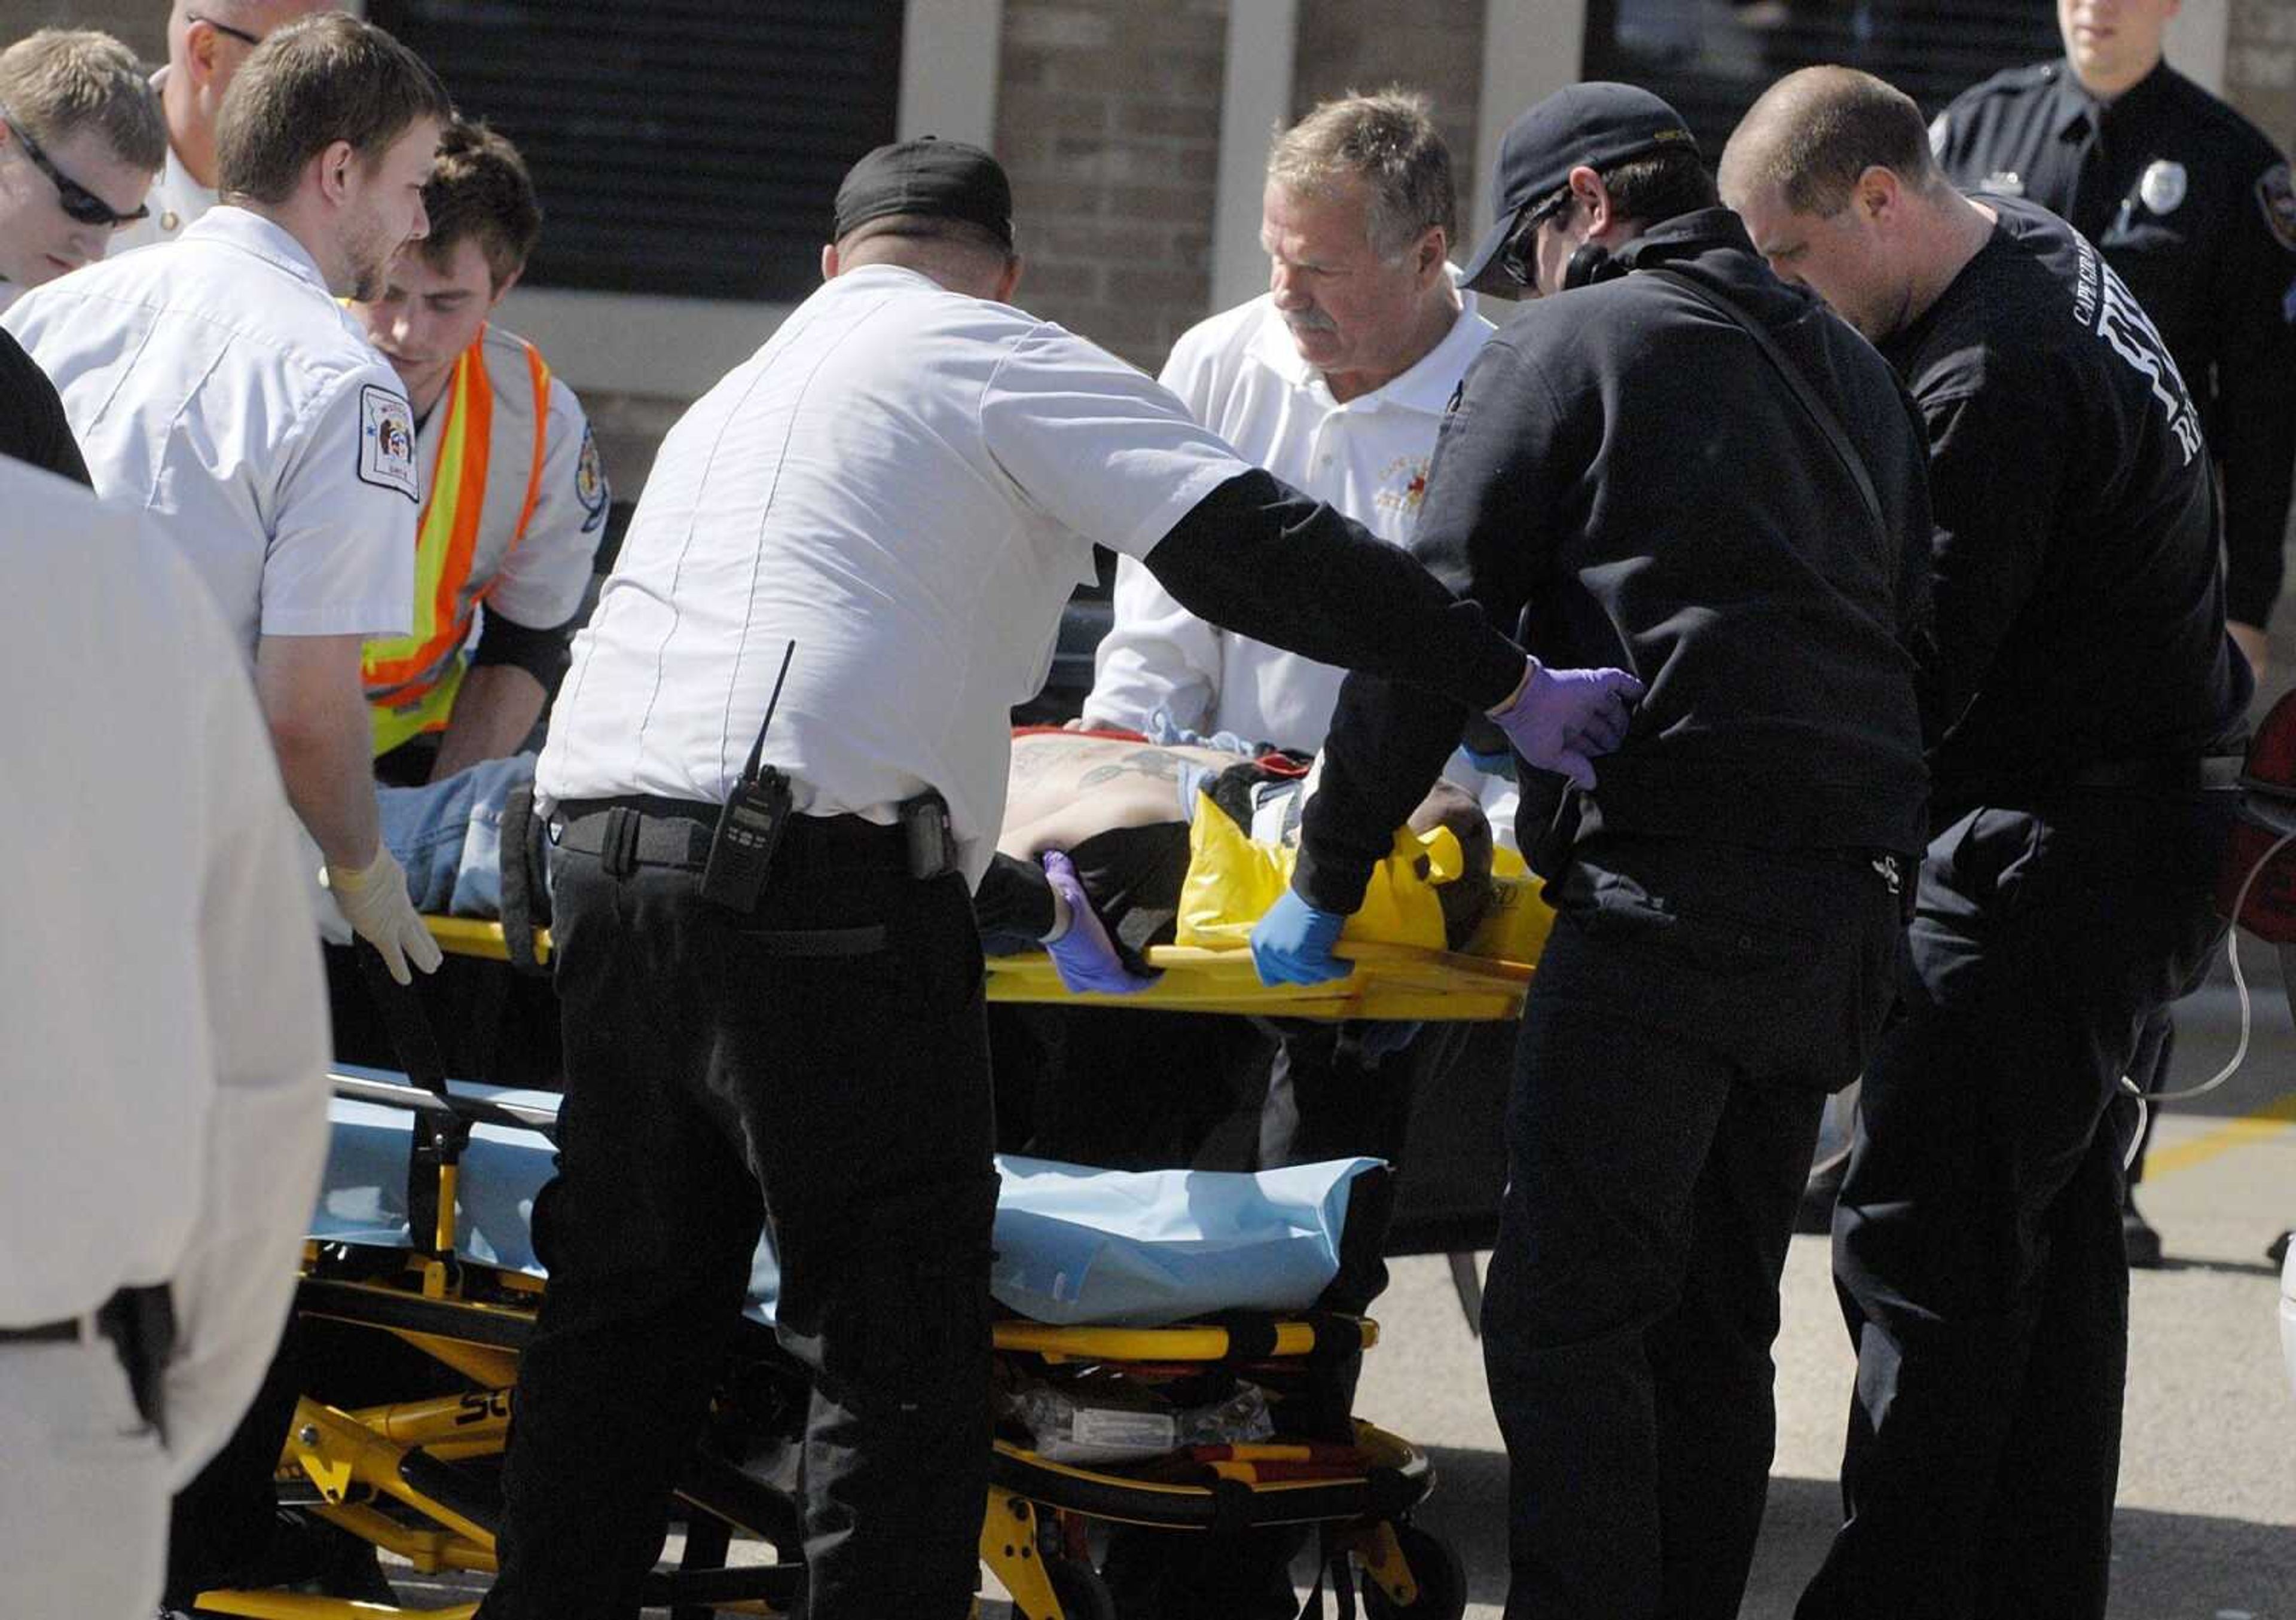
(374, 903)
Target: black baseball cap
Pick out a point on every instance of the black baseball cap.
(1597, 124)
(946, 179)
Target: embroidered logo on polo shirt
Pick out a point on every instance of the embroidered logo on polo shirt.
(1402, 484)
(590, 483)
(387, 442)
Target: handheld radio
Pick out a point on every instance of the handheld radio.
(749, 827)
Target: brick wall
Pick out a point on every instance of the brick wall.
(1108, 120)
(2260, 66)
(141, 24)
(1432, 47)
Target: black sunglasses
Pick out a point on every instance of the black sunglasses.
(1511, 259)
(79, 202)
(224, 27)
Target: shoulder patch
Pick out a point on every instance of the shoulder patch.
(590, 486)
(386, 449)
(2275, 194)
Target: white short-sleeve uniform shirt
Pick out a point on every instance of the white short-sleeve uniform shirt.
(906, 483)
(214, 383)
(1241, 376)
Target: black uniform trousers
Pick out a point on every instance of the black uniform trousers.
(823, 1065)
(1977, 1242)
(1693, 1007)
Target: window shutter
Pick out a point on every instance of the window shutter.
(1711, 62)
(682, 146)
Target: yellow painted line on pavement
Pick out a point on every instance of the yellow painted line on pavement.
(2261, 1125)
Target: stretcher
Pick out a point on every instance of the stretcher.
(419, 1237)
(1406, 982)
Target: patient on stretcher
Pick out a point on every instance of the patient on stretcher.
(1120, 809)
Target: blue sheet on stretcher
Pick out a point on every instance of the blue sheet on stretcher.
(1073, 1245)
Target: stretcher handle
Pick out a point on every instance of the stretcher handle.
(392, 1094)
(411, 1035)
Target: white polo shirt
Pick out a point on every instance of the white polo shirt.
(166, 1022)
(176, 202)
(907, 483)
(1240, 374)
(214, 383)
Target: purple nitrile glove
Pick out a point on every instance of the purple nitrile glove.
(1561, 719)
(1084, 957)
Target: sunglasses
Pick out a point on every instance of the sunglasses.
(1513, 259)
(224, 27)
(79, 202)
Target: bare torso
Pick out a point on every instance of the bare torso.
(1065, 787)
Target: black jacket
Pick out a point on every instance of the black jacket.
(1627, 476)
(32, 425)
(2080, 603)
(2196, 209)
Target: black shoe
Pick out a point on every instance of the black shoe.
(2276, 1251)
(2137, 1238)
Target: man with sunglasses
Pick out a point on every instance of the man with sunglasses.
(1639, 470)
(208, 41)
(80, 138)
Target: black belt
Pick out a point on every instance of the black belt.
(140, 1323)
(650, 830)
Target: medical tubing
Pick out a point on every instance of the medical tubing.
(2240, 983)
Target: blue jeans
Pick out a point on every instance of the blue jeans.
(448, 835)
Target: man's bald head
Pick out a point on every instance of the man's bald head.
(208, 41)
(1814, 133)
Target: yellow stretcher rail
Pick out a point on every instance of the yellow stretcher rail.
(1390, 981)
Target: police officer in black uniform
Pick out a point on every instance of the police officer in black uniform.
(1636, 477)
(2067, 891)
(2193, 207)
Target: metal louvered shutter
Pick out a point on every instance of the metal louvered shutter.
(682, 146)
(1711, 58)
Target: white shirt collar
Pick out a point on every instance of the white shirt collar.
(1427, 385)
(252, 233)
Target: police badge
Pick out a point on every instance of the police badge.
(2162, 189)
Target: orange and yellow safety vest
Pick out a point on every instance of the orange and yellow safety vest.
(485, 481)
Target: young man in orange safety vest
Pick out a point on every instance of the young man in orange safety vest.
(514, 497)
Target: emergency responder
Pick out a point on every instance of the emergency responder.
(208, 41)
(1728, 883)
(2193, 207)
(1335, 380)
(160, 1165)
(516, 527)
(80, 138)
(217, 384)
(890, 501)
(2082, 696)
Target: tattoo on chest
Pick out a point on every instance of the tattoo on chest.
(1154, 764)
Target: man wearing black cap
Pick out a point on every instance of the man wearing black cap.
(777, 768)
(1634, 476)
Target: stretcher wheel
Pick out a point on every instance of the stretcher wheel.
(1436, 1569)
(1083, 1595)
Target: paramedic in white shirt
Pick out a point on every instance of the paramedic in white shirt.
(80, 138)
(165, 1051)
(208, 41)
(898, 492)
(217, 383)
(1335, 380)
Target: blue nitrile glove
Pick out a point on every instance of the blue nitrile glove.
(1083, 956)
(1490, 765)
(1562, 719)
(1293, 943)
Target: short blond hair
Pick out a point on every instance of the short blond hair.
(1389, 142)
(60, 81)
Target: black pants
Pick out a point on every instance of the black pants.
(822, 1065)
(1691, 1009)
(1977, 1243)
